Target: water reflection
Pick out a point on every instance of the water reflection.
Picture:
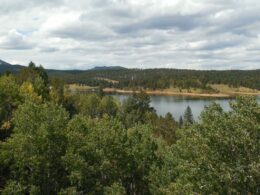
(176, 105)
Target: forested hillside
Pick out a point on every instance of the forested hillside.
(6, 67)
(52, 142)
(153, 78)
(164, 78)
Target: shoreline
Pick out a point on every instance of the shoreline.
(171, 93)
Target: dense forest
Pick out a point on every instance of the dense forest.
(162, 78)
(119, 77)
(52, 142)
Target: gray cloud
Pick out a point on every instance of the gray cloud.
(164, 22)
(220, 34)
(15, 41)
(8, 6)
(82, 31)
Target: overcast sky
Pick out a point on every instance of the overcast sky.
(67, 34)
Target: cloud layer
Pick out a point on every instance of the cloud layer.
(64, 34)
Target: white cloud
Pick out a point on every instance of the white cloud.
(15, 41)
(152, 33)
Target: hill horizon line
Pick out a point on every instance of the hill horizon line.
(111, 67)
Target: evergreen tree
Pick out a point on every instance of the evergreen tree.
(188, 116)
(100, 92)
(180, 121)
(136, 108)
(37, 76)
(169, 117)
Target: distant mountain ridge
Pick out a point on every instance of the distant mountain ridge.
(161, 78)
(108, 68)
(7, 67)
(4, 63)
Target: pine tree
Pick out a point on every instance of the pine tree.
(180, 121)
(188, 116)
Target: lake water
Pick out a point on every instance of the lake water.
(176, 105)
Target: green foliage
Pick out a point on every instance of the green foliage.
(188, 117)
(102, 153)
(162, 78)
(166, 127)
(109, 106)
(219, 155)
(103, 147)
(33, 153)
(69, 191)
(88, 105)
(27, 92)
(40, 87)
(136, 109)
(94, 151)
(37, 77)
(13, 187)
(100, 92)
(31, 73)
(115, 189)
(57, 91)
(9, 101)
(142, 155)
(180, 121)
(95, 107)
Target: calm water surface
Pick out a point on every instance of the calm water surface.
(176, 105)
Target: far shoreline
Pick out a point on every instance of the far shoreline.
(171, 93)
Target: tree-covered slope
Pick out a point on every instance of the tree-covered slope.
(151, 78)
(6, 67)
(163, 78)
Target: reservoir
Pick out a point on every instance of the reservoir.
(177, 105)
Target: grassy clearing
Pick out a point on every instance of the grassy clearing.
(221, 88)
(191, 90)
(107, 80)
(80, 88)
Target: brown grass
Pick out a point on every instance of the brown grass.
(193, 92)
(223, 91)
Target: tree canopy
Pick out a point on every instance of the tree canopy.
(58, 143)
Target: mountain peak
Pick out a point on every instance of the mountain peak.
(6, 67)
(107, 68)
(4, 63)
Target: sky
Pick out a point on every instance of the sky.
(80, 34)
